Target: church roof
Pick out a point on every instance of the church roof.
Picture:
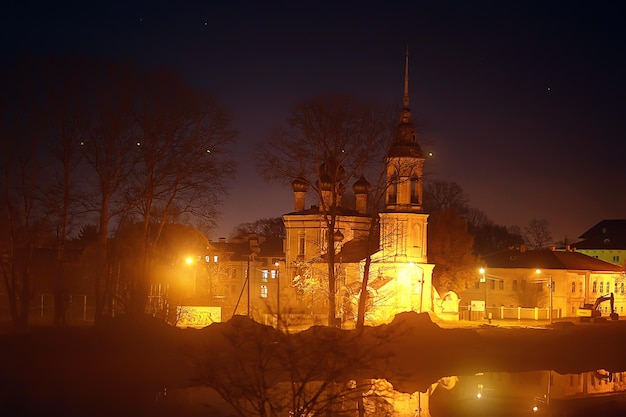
(405, 141)
(341, 211)
(548, 259)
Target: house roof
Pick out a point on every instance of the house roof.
(607, 234)
(271, 247)
(612, 227)
(548, 259)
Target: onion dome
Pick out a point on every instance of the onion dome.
(361, 186)
(300, 185)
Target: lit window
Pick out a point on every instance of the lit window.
(274, 273)
(263, 291)
(264, 275)
(215, 258)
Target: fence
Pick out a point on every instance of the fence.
(80, 310)
(508, 313)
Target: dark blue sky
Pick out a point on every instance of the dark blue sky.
(522, 103)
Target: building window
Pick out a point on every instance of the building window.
(264, 275)
(215, 258)
(601, 286)
(615, 290)
(616, 258)
(415, 190)
(492, 285)
(621, 288)
(274, 273)
(301, 244)
(501, 284)
(594, 287)
(514, 288)
(263, 291)
(573, 286)
(393, 194)
(580, 286)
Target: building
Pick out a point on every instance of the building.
(516, 283)
(243, 277)
(393, 239)
(606, 240)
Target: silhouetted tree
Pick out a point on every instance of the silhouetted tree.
(442, 195)
(326, 143)
(450, 249)
(22, 130)
(537, 234)
(183, 142)
(490, 238)
(270, 227)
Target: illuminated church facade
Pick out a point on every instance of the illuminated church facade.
(400, 277)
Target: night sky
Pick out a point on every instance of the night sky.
(522, 103)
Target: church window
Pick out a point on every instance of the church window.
(415, 190)
(393, 190)
(301, 244)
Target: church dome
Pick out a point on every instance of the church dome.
(299, 185)
(361, 186)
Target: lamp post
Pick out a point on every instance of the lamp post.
(276, 264)
(484, 277)
(550, 287)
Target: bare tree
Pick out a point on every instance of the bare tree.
(442, 195)
(108, 150)
(183, 162)
(22, 129)
(450, 249)
(537, 234)
(270, 227)
(66, 95)
(327, 142)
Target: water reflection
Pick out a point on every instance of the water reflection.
(536, 393)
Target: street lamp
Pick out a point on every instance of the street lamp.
(276, 264)
(550, 287)
(484, 278)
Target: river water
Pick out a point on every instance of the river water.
(498, 394)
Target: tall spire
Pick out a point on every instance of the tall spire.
(405, 114)
(405, 101)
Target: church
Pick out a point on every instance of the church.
(395, 248)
